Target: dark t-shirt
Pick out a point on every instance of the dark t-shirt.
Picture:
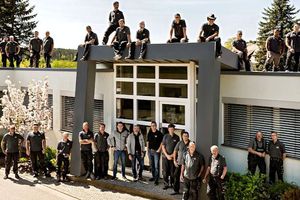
(256, 145)
(154, 139)
(142, 34)
(138, 148)
(209, 30)
(293, 39)
(35, 140)
(11, 142)
(121, 34)
(2, 46)
(276, 150)
(12, 47)
(115, 16)
(86, 136)
(275, 45)
(181, 148)
(170, 142)
(178, 28)
(64, 147)
(48, 43)
(192, 164)
(90, 37)
(240, 45)
(101, 141)
(36, 44)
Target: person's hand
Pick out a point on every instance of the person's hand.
(181, 178)
(128, 44)
(207, 39)
(43, 151)
(169, 157)
(7, 55)
(5, 152)
(204, 180)
(222, 177)
(292, 50)
(130, 157)
(27, 153)
(158, 151)
(175, 163)
(113, 148)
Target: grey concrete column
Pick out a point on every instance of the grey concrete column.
(83, 111)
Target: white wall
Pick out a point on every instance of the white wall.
(263, 90)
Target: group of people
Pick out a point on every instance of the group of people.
(122, 38)
(11, 50)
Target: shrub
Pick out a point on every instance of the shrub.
(50, 158)
(292, 194)
(278, 189)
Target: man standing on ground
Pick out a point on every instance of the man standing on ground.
(180, 149)
(12, 50)
(154, 146)
(292, 42)
(168, 145)
(63, 154)
(277, 154)
(257, 152)
(101, 156)
(2, 49)
(114, 17)
(48, 46)
(35, 48)
(179, 28)
(10, 146)
(121, 40)
(86, 139)
(35, 148)
(239, 46)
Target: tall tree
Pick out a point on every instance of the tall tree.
(280, 14)
(17, 19)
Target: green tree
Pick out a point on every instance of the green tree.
(280, 14)
(228, 43)
(17, 19)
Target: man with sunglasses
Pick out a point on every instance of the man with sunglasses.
(179, 28)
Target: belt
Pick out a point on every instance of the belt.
(276, 159)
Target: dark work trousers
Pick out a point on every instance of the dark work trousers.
(47, 58)
(9, 159)
(35, 58)
(86, 51)
(137, 157)
(87, 161)
(254, 161)
(101, 164)
(35, 157)
(177, 178)
(154, 158)
(244, 58)
(4, 59)
(288, 63)
(132, 48)
(177, 40)
(119, 47)
(12, 57)
(276, 166)
(190, 190)
(61, 159)
(218, 44)
(109, 31)
(168, 171)
(216, 188)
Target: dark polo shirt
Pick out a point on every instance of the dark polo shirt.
(216, 165)
(90, 37)
(209, 30)
(274, 44)
(36, 44)
(181, 148)
(142, 34)
(2, 46)
(121, 34)
(178, 28)
(170, 142)
(276, 150)
(64, 147)
(86, 136)
(11, 142)
(240, 45)
(35, 140)
(115, 16)
(192, 165)
(101, 141)
(12, 47)
(154, 139)
(293, 40)
(48, 43)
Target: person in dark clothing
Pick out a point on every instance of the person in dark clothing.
(275, 49)
(101, 156)
(276, 150)
(179, 150)
(35, 148)
(210, 33)
(114, 17)
(168, 145)
(292, 42)
(35, 48)
(91, 38)
(178, 26)
(216, 171)
(142, 39)
(12, 50)
(154, 146)
(239, 46)
(10, 146)
(63, 154)
(121, 40)
(3, 53)
(86, 139)
(191, 170)
(48, 46)
(257, 152)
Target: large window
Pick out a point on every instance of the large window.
(124, 108)
(241, 122)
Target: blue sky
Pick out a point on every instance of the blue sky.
(66, 19)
